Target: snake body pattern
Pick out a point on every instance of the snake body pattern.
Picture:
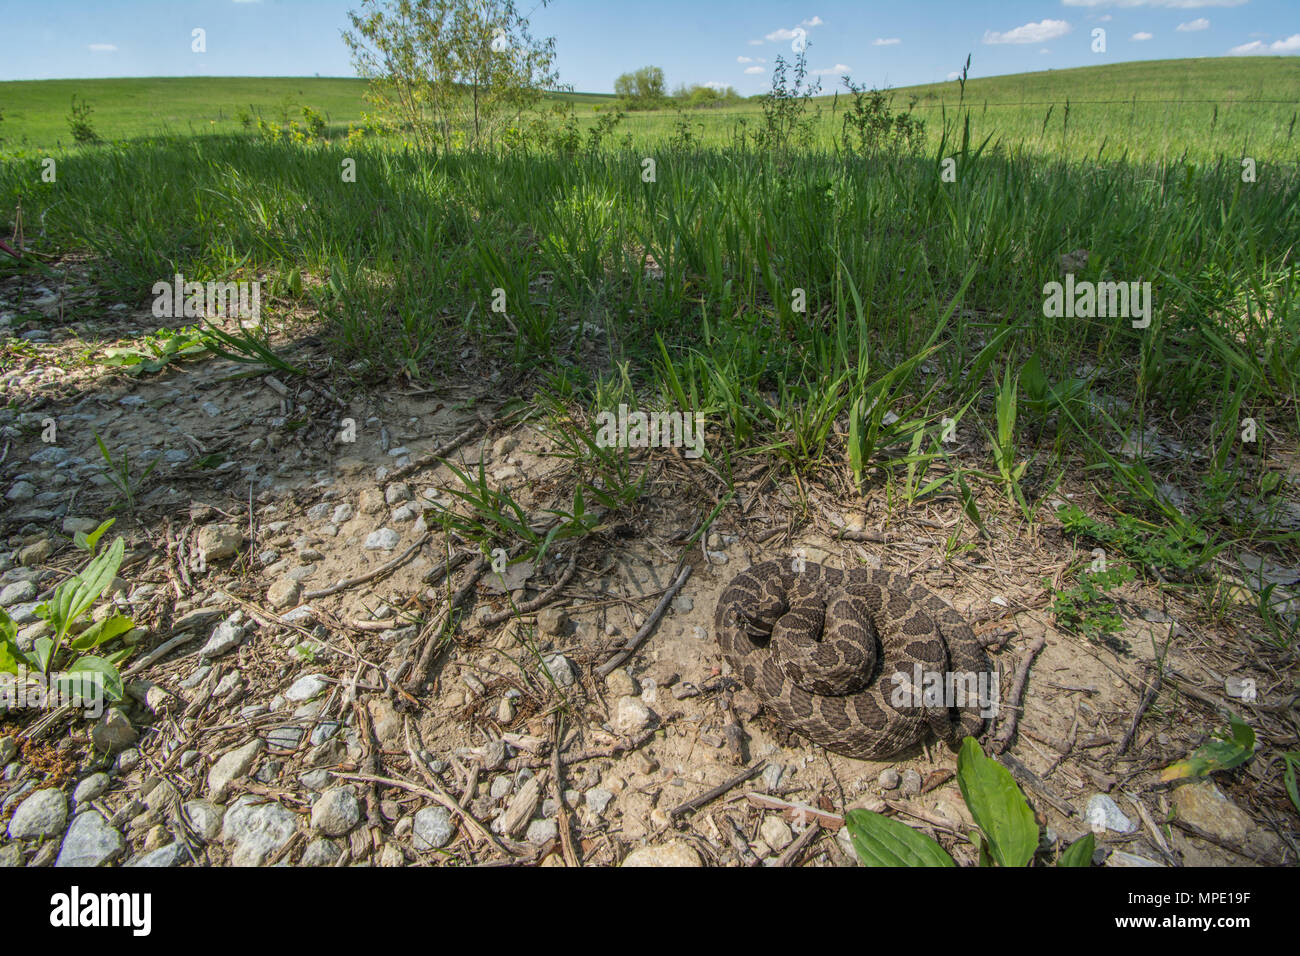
(820, 648)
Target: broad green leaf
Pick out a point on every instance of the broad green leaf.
(76, 595)
(1079, 853)
(880, 841)
(87, 542)
(42, 651)
(102, 631)
(10, 657)
(998, 806)
(95, 671)
(8, 629)
(1289, 777)
(1227, 750)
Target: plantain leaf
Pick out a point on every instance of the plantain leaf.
(102, 631)
(1079, 853)
(998, 806)
(75, 595)
(1227, 750)
(89, 671)
(880, 841)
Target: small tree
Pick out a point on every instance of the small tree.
(79, 122)
(443, 67)
(641, 89)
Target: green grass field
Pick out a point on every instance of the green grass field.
(1150, 110)
(780, 292)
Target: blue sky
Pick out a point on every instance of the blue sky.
(732, 42)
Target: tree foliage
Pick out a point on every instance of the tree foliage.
(450, 71)
(641, 89)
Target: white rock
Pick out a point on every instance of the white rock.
(336, 811)
(231, 766)
(676, 853)
(384, 539)
(631, 716)
(42, 814)
(90, 841)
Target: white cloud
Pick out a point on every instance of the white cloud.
(755, 42)
(837, 70)
(954, 75)
(777, 36)
(886, 41)
(102, 48)
(1200, 23)
(751, 70)
(1290, 45)
(1139, 37)
(1030, 32)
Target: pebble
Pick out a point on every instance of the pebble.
(772, 774)
(598, 799)
(8, 749)
(1203, 805)
(775, 832)
(432, 828)
(173, 854)
(128, 760)
(92, 788)
(258, 830)
(219, 541)
(320, 852)
(205, 817)
(631, 716)
(316, 780)
(560, 669)
(676, 853)
(306, 687)
(500, 787)
(226, 636)
(336, 811)
(1103, 813)
(113, 732)
(541, 832)
(889, 779)
(552, 621)
(17, 593)
(283, 594)
(43, 814)
(911, 782)
(90, 841)
(620, 683)
(384, 539)
(232, 765)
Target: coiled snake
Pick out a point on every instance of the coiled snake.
(821, 647)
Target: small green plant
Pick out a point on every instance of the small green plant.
(79, 122)
(1179, 548)
(1087, 608)
(1227, 749)
(1007, 833)
(119, 474)
(64, 657)
(155, 351)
